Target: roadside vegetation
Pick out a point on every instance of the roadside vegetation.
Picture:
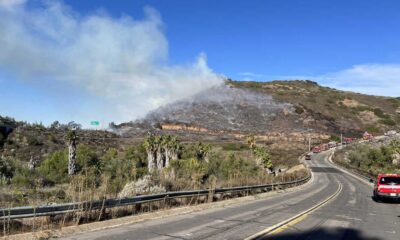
(41, 175)
(371, 158)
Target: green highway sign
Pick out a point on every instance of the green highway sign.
(95, 123)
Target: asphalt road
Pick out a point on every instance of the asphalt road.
(351, 215)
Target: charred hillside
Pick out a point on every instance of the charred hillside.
(220, 110)
(271, 108)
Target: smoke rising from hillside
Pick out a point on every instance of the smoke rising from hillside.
(124, 60)
(223, 107)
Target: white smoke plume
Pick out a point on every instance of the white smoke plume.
(122, 60)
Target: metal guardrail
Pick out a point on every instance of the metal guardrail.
(52, 210)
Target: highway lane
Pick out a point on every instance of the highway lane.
(236, 221)
(352, 215)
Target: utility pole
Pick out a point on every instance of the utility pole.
(309, 143)
(341, 138)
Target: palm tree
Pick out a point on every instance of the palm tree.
(160, 155)
(172, 147)
(203, 151)
(150, 146)
(71, 137)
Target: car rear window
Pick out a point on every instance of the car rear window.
(390, 180)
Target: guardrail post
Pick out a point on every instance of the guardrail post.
(167, 201)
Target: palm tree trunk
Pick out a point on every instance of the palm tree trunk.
(72, 157)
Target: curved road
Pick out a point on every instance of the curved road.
(350, 215)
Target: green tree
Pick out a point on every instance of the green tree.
(87, 158)
(137, 155)
(116, 169)
(88, 166)
(55, 167)
(263, 158)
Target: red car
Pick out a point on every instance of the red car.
(387, 186)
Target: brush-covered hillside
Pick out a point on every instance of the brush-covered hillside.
(331, 109)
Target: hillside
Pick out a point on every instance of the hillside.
(282, 114)
(273, 107)
(22, 141)
(332, 110)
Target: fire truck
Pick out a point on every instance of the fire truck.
(347, 140)
(332, 144)
(387, 186)
(324, 147)
(367, 136)
(316, 150)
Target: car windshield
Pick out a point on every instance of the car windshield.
(390, 180)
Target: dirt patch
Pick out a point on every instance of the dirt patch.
(368, 117)
(351, 103)
(299, 167)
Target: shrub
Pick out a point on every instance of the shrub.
(298, 109)
(263, 156)
(55, 167)
(53, 138)
(33, 141)
(388, 121)
(371, 160)
(6, 171)
(335, 138)
(137, 155)
(88, 165)
(192, 170)
(372, 129)
(87, 158)
(378, 112)
(395, 146)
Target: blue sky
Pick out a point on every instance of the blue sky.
(274, 37)
(347, 44)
